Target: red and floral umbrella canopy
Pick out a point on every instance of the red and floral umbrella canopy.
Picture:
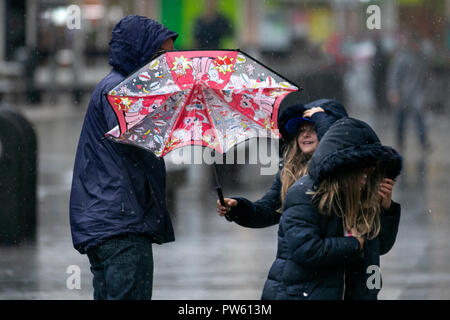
(215, 99)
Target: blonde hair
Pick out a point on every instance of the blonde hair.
(358, 206)
(295, 166)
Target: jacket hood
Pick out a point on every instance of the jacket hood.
(295, 111)
(349, 144)
(330, 106)
(135, 39)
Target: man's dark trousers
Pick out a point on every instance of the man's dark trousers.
(123, 268)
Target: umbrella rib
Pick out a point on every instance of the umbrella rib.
(156, 109)
(270, 69)
(232, 108)
(212, 124)
(178, 117)
(177, 113)
(248, 125)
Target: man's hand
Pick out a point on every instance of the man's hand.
(229, 203)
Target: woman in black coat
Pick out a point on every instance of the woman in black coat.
(318, 116)
(338, 219)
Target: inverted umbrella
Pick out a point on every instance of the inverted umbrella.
(211, 98)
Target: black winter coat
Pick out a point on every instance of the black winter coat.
(314, 260)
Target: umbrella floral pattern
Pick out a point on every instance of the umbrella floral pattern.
(211, 98)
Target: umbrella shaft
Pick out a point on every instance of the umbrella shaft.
(220, 194)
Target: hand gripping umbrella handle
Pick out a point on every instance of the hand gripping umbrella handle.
(219, 192)
(222, 202)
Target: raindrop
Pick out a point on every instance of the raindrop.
(429, 211)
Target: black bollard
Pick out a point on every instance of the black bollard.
(18, 178)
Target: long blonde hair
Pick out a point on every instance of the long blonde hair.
(295, 166)
(358, 206)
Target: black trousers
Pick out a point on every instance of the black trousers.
(122, 268)
(402, 115)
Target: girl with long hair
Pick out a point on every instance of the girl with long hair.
(301, 127)
(337, 219)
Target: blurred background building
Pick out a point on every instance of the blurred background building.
(307, 41)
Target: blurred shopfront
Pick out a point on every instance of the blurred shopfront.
(309, 41)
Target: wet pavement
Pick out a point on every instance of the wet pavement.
(212, 258)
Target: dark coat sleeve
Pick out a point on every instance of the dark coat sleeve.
(300, 225)
(261, 213)
(333, 111)
(389, 221)
(322, 122)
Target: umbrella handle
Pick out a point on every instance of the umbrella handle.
(222, 202)
(219, 192)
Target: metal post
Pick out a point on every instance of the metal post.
(252, 13)
(2, 29)
(78, 60)
(153, 9)
(390, 18)
(339, 15)
(31, 9)
(139, 7)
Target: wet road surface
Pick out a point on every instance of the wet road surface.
(212, 258)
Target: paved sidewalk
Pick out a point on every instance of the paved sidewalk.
(215, 259)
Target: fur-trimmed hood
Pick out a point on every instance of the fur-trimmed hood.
(351, 143)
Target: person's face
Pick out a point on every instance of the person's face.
(168, 45)
(307, 138)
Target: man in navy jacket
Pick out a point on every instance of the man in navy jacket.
(117, 203)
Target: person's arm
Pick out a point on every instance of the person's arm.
(389, 218)
(259, 214)
(322, 122)
(306, 247)
(323, 119)
(389, 221)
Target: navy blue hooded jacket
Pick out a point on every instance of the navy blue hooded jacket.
(118, 189)
(314, 260)
(263, 212)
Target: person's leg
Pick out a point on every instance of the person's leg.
(421, 129)
(145, 268)
(401, 115)
(98, 281)
(128, 265)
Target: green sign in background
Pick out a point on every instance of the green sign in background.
(180, 16)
